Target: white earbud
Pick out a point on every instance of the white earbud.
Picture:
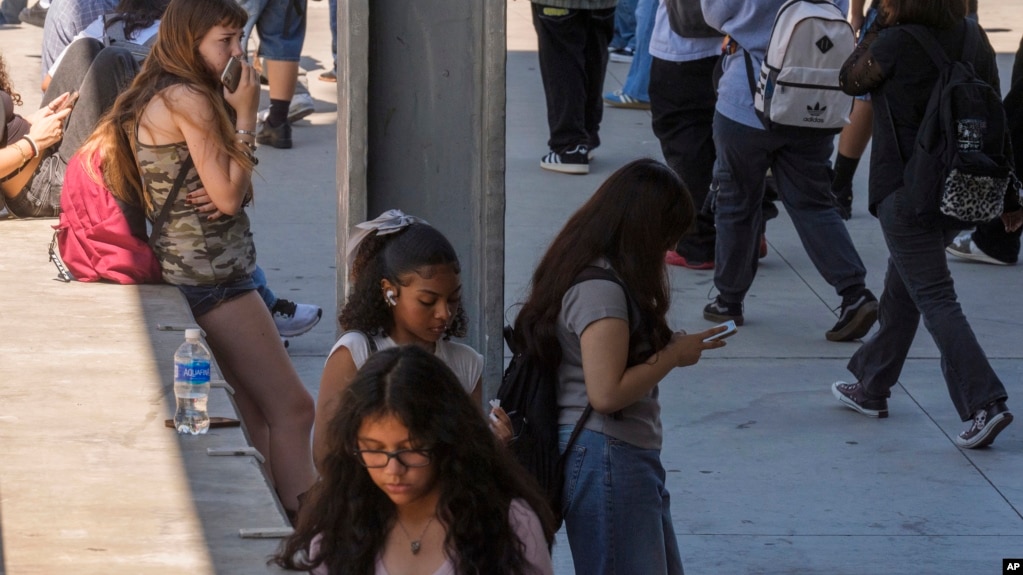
(389, 296)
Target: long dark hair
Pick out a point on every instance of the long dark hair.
(635, 216)
(137, 14)
(943, 14)
(389, 257)
(478, 479)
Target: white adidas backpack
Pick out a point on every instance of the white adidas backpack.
(798, 83)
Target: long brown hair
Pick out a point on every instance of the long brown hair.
(635, 216)
(174, 59)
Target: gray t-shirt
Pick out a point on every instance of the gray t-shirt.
(584, 303)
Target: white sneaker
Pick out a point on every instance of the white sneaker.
(301, 106)
(964, 247)
(294, 319)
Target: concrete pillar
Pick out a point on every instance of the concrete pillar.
(421, 110)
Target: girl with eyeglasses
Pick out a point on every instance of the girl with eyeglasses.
(413, 482)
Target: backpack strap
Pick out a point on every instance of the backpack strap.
(930, 45)
(165, 211)
(923, 36)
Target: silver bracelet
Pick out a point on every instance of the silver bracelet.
(245, 132)
(32, 143)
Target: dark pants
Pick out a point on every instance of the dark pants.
(918, 283)
(573, 59)
(991, 237)
(682, 100)
(99, 75)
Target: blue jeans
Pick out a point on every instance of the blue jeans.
(637, 83)
(333, 31)
(203, 299)
(281, 26)
(917, 283)
(625, 25)
(801, 166)
(617, 509)
(259, 278)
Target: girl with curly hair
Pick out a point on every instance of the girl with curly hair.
(406, 291)
(414, 483)
(177, 121)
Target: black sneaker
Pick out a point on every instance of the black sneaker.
(276, 136)
(720, 311)
(859, 312)
(572, 161)
(852, 396)
(985, 426)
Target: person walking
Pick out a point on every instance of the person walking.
(799, 159)
(898, 72)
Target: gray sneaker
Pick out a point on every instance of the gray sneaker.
(294, 319)
(963, 247)
(301, 106)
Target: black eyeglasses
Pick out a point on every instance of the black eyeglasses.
(375, 458)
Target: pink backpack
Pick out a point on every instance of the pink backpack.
(94, 239)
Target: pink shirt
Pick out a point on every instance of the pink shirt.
(525, 524)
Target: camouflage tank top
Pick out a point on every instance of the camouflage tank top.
(192, 249)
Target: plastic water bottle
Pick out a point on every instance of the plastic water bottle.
(192, 385)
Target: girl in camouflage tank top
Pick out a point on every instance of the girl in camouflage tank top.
(177, 109)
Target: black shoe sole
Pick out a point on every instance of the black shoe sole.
(1002, 420)
(859, 326)
(720, 317)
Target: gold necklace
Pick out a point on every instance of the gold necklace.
(416, 544)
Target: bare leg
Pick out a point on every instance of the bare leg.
(282, 76)
(248, 347)
(255, 424)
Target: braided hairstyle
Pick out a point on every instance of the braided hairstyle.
(414, 249)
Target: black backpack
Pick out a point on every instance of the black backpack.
(960, 170)
(529, 395)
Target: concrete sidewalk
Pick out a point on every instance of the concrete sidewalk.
(769, 474)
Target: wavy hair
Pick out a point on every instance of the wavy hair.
(5, 83)
(635, 216)
(477, 478)
(174, 59)
(391, 256)
(137, 14)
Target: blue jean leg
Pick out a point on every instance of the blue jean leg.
(625, 25)
(918, 283)
(637, 83)
(617, 508)
(259, 278)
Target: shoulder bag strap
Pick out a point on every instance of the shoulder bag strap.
(173, 195)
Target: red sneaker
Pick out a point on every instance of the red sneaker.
(675, 259)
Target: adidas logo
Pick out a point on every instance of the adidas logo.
(824, 44)
(815, 113)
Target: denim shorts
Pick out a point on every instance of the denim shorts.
(202, 299)
(280, 25)
(40, 198)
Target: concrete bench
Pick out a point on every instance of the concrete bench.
(91, 480)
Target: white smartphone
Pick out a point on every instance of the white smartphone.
(729, 332)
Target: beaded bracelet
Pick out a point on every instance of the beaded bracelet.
(32, 143)
(251, 151)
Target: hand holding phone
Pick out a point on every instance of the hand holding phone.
(232, 74)
(730, 330)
